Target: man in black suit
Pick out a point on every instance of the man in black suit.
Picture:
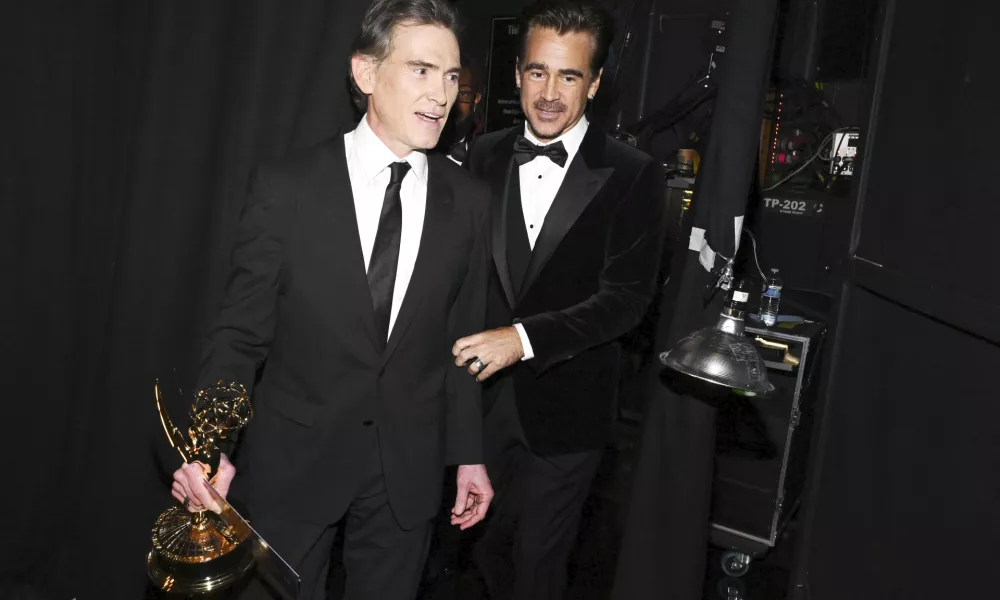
(358, 263)
(577, 229)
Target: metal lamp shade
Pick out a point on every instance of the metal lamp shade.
(721, 355)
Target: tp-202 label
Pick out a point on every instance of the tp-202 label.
(800, 207)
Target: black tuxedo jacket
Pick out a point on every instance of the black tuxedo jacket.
(590, 279)
(297, 318)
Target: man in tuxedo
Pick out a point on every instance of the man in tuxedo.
(358, 263)
(577, 229)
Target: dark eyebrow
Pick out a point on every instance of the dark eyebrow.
(428, 65)
(543, 67)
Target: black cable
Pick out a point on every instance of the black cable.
(615, 88)
(646, 136)
(817, 154)
(671, 114)
(637, 127)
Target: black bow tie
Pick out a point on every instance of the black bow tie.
(525, 152)
(458, 151)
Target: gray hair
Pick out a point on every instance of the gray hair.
(379, 24)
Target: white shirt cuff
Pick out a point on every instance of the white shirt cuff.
(525, 344)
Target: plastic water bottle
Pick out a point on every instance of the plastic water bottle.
(770, 299)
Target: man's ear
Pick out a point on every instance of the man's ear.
(363, 72)
(517, 72)
(594, 85)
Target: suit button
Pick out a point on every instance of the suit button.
(368, 423)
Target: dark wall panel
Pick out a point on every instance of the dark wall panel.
(907, 502)
(905, 493)
(931, 205)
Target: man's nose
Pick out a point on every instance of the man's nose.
(438, 93)
(551, 90)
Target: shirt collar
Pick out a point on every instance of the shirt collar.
(571, 139)
(373, 156)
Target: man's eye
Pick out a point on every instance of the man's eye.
(569, 79)
(420, 71)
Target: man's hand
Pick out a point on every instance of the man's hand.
(497, 348)
(474, 496)
(189, 485)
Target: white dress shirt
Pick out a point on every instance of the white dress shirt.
(540, 181)
(368, 161)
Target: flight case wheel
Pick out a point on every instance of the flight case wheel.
(730, 588)
(735, 564)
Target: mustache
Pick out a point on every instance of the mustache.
(555, 106)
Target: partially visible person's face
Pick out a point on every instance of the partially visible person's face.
(468, 96)
(411, 92)
(555, 80)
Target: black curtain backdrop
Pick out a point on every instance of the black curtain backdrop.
(127, 131)
(665, 538)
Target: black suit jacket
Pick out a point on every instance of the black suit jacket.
(591, 277)
(297, 318)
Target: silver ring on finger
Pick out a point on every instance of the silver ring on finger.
(479, 365)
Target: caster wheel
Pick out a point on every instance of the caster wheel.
(735, 564)
(730, 588)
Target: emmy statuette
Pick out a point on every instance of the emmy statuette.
(203, 552)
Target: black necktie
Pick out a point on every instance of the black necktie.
(385, 253)
(525, 151)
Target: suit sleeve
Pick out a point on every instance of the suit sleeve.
(480, 149)
(626, 285)
(464, 422)
(240, 337)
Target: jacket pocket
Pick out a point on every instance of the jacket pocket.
(296, 409)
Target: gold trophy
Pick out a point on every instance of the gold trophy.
(203, 552)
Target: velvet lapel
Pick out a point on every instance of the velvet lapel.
(586, 176)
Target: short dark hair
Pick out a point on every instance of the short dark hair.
(476, 74)
(569, 16)
(379, 24)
